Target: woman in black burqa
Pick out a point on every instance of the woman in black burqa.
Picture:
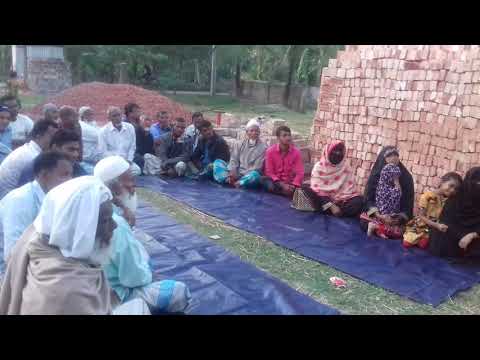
(461, 214)
(389, 155)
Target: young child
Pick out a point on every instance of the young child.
(430, 206)
(387, 222)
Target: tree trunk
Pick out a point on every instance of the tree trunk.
(293, 60)
(197, 72)
(238, 80)
(291, 70)
(213, 75)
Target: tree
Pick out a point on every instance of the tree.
(232, 59)
(294, 55)
(5, 59)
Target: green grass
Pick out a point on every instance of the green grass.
(30, 101)
(306, 276)
(297, 121)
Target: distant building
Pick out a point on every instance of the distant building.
(42, 67)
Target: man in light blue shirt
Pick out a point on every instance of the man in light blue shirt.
(128, 271)
(20, 207)
(5, 133)
(161, 127)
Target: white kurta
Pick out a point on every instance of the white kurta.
(18, 209)
(13, 165)
(118, 142)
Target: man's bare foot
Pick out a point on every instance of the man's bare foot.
(371, 228)
(237, 185)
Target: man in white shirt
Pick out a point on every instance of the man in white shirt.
(90, 139)
(20, 207)
(21, 125)
(13, 165)
(86, 115)
(118, 138)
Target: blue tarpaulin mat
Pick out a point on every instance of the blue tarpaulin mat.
(220, 283)
(339, 243)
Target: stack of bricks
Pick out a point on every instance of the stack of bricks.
(423, 99)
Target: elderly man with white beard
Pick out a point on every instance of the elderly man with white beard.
(129, 272)
(56, 266)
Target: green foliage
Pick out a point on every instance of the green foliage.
(5, 61)
(188, 67)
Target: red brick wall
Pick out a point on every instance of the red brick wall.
(423, 99)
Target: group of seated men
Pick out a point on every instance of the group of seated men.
(197, 151)
(168, 148)
(49, 158)
(67, 149)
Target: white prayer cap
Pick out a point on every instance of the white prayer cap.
(69, 215)
(83, 109)
(110, 168)
(113, 108)
(252, 123)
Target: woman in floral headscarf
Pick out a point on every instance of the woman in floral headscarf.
(332, 187)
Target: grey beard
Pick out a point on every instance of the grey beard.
(101, 254)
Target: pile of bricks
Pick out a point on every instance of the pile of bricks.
(423, 99)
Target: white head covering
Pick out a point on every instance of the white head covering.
(82, 110)
(252, 123)
(110, 168)
(112, 108)
(69, 215)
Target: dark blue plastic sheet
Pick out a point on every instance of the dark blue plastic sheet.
(220, 283)
(339, 243)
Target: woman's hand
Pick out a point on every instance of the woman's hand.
(336, 211)
(467, 239)
(442, 227)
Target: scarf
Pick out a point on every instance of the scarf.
(468, 207)
(387, 197)
(334, 181)
(40, 281)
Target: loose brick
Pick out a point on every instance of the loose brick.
(469, 122)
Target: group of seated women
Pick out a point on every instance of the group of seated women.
(448, 218)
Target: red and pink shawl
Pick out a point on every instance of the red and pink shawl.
(335, 181)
